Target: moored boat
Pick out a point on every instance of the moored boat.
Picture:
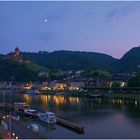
(33, 127)
(47, 117)
(33, 91)
(31, 113)
(95, 95)
(21, 106)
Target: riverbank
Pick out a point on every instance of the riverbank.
(85, 93)
(134, 96)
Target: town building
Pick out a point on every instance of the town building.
(44, 74)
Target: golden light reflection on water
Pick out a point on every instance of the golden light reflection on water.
(118, 102)
(62, 101)
(27, 99)
(74, 99)
(58, 100)
(44, 100)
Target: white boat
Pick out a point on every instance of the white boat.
(33, 127)
(33, 91)
(31, 113)
(20, 106)
(19, 103)
(47, 117)
(110, 91)
(95, 95)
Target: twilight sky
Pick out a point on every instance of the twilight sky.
(107, 27)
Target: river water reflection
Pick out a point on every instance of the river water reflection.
(102, 118)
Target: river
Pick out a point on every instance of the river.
(102, 118)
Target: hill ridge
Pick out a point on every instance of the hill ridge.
(78, 60)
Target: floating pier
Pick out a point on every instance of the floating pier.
(70, 125)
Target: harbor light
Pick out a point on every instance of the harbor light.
(28, 86)
(16, 137)
(136, 103)
(13, 134)
(122, 84)
(4, 117)
(73, 88)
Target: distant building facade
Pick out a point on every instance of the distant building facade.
(44, 74)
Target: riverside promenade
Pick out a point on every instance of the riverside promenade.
(20, 131)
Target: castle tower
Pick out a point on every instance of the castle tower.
(17, 51)
(17, 56)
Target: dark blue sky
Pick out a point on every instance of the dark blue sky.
(108, 27)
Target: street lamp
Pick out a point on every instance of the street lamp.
(3, 101)
(10, 124)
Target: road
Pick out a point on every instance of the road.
(21, 131)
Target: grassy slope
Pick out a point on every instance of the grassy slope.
(34, 67)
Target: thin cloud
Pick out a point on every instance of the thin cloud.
(123, 11)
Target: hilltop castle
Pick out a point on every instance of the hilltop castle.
(16, 56)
